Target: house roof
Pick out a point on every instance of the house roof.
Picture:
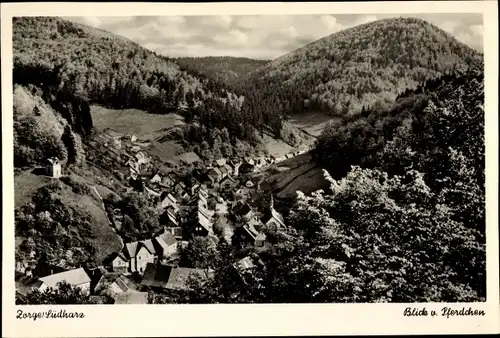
(148, 244)
(73, 277)
(245, 263)
(25, 284)
(223, 170)
(132, 249)
(175, 231)
(167, 238)
(221, 162)
(53, 160)
(122, 285)
(250, 229)
(132, 297)
(156, 275)
(274, 215)
(242, 208)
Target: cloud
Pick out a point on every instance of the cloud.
(256, 36)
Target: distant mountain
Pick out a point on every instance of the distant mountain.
(366, 65)
(74, 66)
(226, 69)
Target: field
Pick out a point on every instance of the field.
(133, 121)
(312, 122)
(275, 147)
(26, 184)
(298, 173)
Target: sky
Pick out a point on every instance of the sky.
(258, 36)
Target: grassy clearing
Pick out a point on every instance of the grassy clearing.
(298, 173)
(275, 147)
(134, 121)
(106, 241)
(312, 122)
(26, 185)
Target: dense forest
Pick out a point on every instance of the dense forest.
(226, 69)
(77, 66)
(395, 227)
(364, 66)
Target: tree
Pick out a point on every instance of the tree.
(63, 294)
(200, 253)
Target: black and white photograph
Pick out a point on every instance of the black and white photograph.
(249, 159)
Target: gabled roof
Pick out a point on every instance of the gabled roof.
(221, 162)
(73, 277)
(245, 263)
(132, 297)
(228, 167)
(251, 231)
(168, 277)
(148, 244)
(131, 249)
(122, 285)
(53, 160)
(274, 215)
(215, 171)
(175, 231)
(167, 238)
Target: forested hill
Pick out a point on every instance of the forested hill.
(365, 65)
(226, 69)
(74, 64)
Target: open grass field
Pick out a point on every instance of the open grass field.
(133, 121)
(298, 173)
(312, 122)
(26, 184)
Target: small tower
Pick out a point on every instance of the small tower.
(54, 168)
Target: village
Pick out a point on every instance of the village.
(220, 201)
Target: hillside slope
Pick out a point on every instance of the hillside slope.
(76, 66)
(367, 65)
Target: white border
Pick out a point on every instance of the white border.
(276, 319)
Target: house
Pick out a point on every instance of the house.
(120, 262)
(247, 235)
(27, 284)
(243, 210)
(133, 138)
(120, 285)
(272, 219)
(242, 192)
(221, 162)
(156, 179)
(246, 167)
(175, 231)
(53, 168)
(179, 189)
(235, 165)
(214, 175)
(168, 219)
(76, 278)
(221, 209)
(168, 200)
(168, 181)
(224, 172)
(132, 297)
(139, 254)
(170, 277)
(141, 158)
(199, 224)
(151, 193)
(227, 183)
(192, 186)
(135, 149)
(166, 244)
(229, 169)
(249, 184)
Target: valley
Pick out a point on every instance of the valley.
(340, 164)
